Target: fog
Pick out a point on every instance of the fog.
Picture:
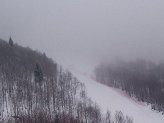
(85, 32)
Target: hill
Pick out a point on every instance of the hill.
(34, 89)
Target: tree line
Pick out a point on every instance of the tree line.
(141, 79)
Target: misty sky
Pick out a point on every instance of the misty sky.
(86, 31)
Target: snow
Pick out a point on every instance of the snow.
(112, 99)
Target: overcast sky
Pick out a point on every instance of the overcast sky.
(86, 31)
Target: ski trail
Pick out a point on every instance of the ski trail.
(110, 98)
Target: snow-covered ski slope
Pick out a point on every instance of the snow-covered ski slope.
(112, 99)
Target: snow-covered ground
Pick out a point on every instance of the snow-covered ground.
(112, 99)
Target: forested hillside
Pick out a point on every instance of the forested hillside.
(34, 89)
(141, 79)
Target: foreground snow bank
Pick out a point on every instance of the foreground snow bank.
(109, 98)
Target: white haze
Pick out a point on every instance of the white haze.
(85, 32)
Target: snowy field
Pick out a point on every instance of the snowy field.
(114, 100)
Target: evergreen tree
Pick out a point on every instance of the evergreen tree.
(38, 74)
(11, 43)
